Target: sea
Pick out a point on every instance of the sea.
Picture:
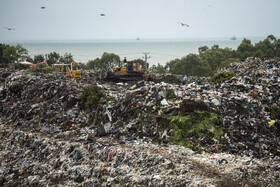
(156, 51)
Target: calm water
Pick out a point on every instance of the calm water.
(160, 51)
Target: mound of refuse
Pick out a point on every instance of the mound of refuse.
(262, 71)
(167, 78)
(33, 159)
(66, 131)
(245, 125)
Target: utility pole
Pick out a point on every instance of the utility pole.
(146, 57)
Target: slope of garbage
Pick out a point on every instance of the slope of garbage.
(54, 133)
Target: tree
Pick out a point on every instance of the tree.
(202, 50)
(245, 49)
(209, 60)
(22, 53)
(82, 66)
(29, 59)
(53, 58)
(272, 39)
(158, 69)
(10, 53)
(267, 46)
(94, 64)
(15, 53)
(203, 69)
(174, 66)
(109, 60)
(3, 60)
(66, 59)
(190, 64)
(38, 59)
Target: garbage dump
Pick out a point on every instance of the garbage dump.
(56, 130)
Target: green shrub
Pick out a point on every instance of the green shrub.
(91, 97)
(170, 94)
(197, 123)
(40, 68)
(221, 77)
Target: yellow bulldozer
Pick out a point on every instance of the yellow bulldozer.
(70, 69)
(131, 71)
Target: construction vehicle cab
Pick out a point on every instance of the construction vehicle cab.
(130, 66)
(70, 69)
(131, 71)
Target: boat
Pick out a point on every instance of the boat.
(233, 38)
(137, 38)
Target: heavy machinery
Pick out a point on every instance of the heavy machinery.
(131, 71)
(70, 69)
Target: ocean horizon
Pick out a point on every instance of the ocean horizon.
(159, 51)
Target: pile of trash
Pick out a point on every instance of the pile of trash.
(41, 101)
(32, 159)
(4, 73)
(167, 78)
(246, 103)
(119, 140)
(255, 68)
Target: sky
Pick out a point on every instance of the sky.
(130, 19)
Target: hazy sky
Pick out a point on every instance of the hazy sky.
(129, 19)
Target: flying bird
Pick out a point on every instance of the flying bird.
(102, 14)
(9, 28)
(183, 24)
(43, 7)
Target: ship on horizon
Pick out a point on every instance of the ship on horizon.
(233, 38)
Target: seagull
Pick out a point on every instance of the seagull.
(9, 28)
(183, 24)
(43, 7)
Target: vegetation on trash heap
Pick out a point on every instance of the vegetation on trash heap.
(91, 97)
(170, 94)
(40, 68)
(221, 77)
(194, 124)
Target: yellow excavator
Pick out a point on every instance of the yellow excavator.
(70, 69)
(131, 71)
